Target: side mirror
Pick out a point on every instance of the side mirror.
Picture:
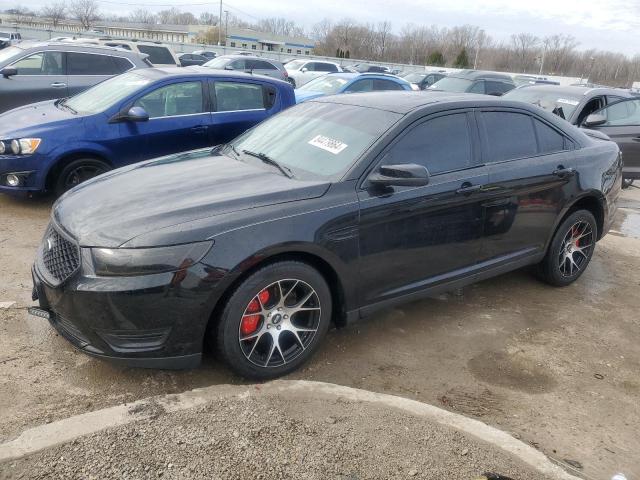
(228, 67)
(594, 120)
(304, 70)
(9, 72)
(405, 175)
(136, 114)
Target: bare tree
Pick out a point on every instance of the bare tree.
(142, 15)
(525, 48)
(56, 12)
(85, 11)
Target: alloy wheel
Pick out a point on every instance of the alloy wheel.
(279, 323)
(575, 249)
(81, 174)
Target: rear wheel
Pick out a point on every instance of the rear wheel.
(274, 321)
(79, 171)
(570, 250)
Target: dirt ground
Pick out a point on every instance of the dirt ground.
(558, 368)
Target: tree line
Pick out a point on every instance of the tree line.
(465, 46)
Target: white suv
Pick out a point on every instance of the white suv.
(159, 55)
(303, 71)
(8, 38)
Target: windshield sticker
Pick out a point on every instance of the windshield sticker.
(329, 144)
(568, 102)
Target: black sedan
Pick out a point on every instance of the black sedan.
(191, 59)
(322, 214)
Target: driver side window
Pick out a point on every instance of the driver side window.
(622, 113)
(592, 105)
(42, 63)
(173, 100)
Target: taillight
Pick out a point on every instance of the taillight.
(286, 74)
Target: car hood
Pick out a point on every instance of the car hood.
(303, 95)
(123, 204)
(41, 115)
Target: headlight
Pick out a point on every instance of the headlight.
(15, 147)
(29, 145)
(144, 261)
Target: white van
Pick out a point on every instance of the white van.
(159, 54)
(10, 38)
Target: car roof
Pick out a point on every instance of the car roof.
(157, 73)
(403, 102)
(354, 75)
(480, 74)
(75, 46)
(235, 56)
(576, 91)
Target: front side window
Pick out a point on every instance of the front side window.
(89, 64)
(41, 63)
(361, 86)
(110, 92)
(622, 113)
(452, 84)
(173, 100)
(508, 135)
(240, 64)
(477, 87)
(325, 67)
(317, 139)
(327, 84)
(442, 144)
(234, 96)
(157, 55)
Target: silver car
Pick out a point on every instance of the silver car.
(245, 63)
(32, 72)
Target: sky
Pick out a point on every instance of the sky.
(605, 25)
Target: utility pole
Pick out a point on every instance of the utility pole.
(220, 25)
(480, 42)
(226, 25)
(544, 52)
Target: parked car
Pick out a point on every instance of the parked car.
(33, 72)
(424, 80)
(620, 121)
(366, 67)
(475, 81)
(191, 59)
(208, 54)
(302, 71)
(336, 83)
(245, 63)
(9, 38)
(322, 214)
(158, 54)
(574, 104)
(55, 145)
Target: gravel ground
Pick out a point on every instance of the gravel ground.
(273, 437)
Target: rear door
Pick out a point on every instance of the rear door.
(40, 77)
(417, 237)
(623, 127)
(531, 177)
(238, 105)
(179, 120)
(85, 70)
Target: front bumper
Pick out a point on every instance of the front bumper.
(153, 321)
(31, 168)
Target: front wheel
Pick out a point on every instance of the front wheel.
(274, 321)
(570, 250)
(79, 171)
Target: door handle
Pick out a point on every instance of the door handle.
(466, 188)
(199, 129)
(563, 172)
(59, 85)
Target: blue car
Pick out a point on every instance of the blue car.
(335, 83)
(142, 114)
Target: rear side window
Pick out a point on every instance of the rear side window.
(441, 144)
(88, 64)
(234, 96)
(157, 55)
(260, 65)
(549, 140)
(386, 85)
(508, 135)
(42, 63)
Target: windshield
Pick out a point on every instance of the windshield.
(295, 65)
(327, 84)
(219, 62)
(452, 84)
(415, 77)
(561, 104)
(107, 93)
(317, 139)
(9, 52)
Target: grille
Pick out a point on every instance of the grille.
(60, 257)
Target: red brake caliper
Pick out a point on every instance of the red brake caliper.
(249, 323)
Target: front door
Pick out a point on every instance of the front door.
(416, 237)
(178, 121)
(622, 125)
(531, 178)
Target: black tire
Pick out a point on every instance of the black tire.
(291, 81)
(253, 360)
(78, 171)
(626, 183)
(570, 240)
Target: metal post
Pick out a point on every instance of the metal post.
(220, 25)
(226, 25)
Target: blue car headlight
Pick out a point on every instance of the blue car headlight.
(110, 262)
(20, 146)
